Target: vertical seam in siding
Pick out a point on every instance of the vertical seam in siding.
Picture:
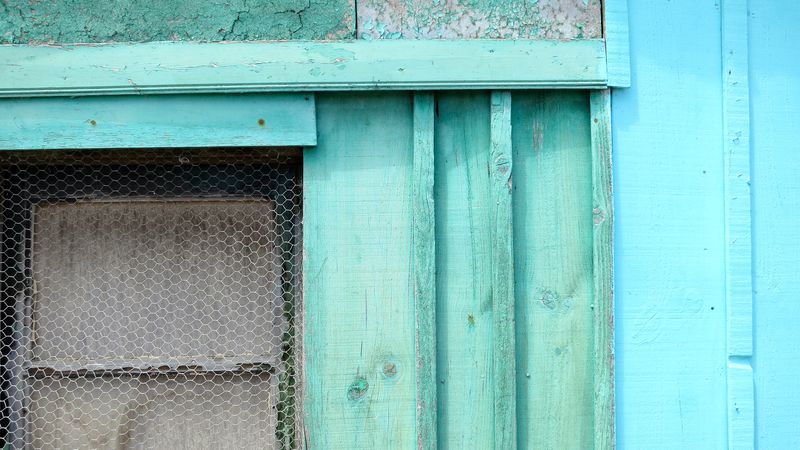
(738, 252)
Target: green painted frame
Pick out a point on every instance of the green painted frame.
(199, 69)
(202, 68)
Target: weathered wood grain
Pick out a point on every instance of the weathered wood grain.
(602, 261)
(158, 121)
(553, 269)
(156, 279)
(175, 67)
(466, 19)
(502, 238)
(423, 241)
(359, 329)
(463, 271)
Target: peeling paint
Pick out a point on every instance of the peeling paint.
(472, 19)
(87, 21)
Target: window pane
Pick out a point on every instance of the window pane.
(187, 411)
(122, 280)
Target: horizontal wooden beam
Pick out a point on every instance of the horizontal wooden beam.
(158, 121)
(182, 67)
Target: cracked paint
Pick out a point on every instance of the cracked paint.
(88, 21)
(473, 19)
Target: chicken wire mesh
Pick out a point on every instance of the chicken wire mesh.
(150, 299)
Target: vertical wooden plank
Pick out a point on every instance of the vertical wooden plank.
(602, 260)
(669, 249)
(615, 25)
(504, 367)
(774, 108)
(463, 271)
(738, 253)
(423, 269)
(553, 264)
(359, 316)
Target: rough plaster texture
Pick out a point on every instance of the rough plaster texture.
(73, 21)
(470, 19)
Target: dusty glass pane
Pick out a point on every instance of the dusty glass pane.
(125, 280)
(181, 412)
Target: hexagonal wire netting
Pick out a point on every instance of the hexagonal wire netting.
(150, 299)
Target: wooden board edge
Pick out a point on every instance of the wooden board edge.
(299, 66)
(738, 225)
(170, 121)
(504, 364)
(423, 260)
(602, 251)
(618, 60)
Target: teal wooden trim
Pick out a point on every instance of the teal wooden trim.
(181, 67)
(618, 60)
(158, 121)
(553, 267)
(738, 251)
(504, 367)
(463, 271)
(424, 269)
(602, 264)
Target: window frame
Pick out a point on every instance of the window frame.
(204, 184)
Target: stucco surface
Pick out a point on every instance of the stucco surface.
(470, 19)
(73, 21)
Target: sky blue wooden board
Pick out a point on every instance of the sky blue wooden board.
(775, 108)
(669, 231)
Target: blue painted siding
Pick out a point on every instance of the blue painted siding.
(670, 220)
(669, 247)
(775, 125)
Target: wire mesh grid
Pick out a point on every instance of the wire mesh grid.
(150, 299)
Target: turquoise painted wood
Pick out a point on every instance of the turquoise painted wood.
(509, 179)
(423, 288)
(180, 67)
(158, 121)
(602, 268)
(553, 244)
(360, 320)
(503, 298)
(464, 271)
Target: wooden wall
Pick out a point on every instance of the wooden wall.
(775, 107)
(512, 194)
(683, 276)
